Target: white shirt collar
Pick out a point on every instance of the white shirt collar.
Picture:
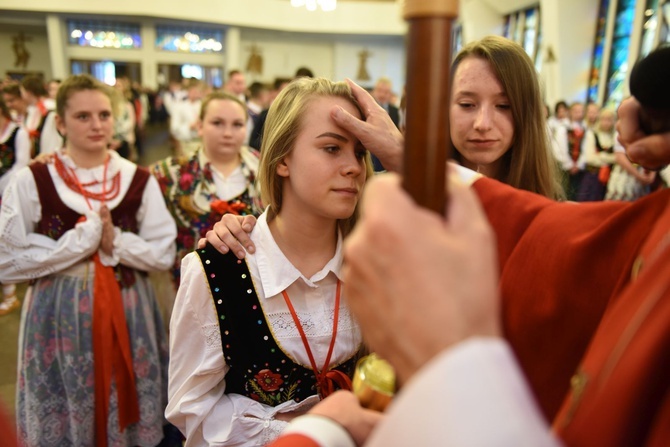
(276, 271)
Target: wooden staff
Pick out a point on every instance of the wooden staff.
(428, 72)
(426, 147)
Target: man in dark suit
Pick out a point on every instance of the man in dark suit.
(382, 93)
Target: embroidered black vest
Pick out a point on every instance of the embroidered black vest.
(600, 148)
(37, 133)
(575, 137)
(57, 217)
(259, 369)
(8, 153)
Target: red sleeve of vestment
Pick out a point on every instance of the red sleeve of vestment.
(560, 265)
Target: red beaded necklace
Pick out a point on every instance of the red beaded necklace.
(72, 181)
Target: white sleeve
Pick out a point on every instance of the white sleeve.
(473, 394)
(559, 145)
(180, 127)
(125, 122)
(465, 175)
(153, 247)
(322, 430)
(589, 154)
(25, 254)
(197, 404)
(50, 139)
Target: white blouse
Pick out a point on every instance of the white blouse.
(25, 254)
(230, 186)
(50, 139)
(197, 403)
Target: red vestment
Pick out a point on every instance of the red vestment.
(566, 274)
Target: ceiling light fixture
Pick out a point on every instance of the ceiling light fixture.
(312, 5)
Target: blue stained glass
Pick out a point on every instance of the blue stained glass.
(618, 65)
(620, 49)
(189, 39)
(101, 34)
(651, 19)
(624, 22)
(597, 57)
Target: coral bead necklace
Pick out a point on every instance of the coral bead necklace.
(72, 181)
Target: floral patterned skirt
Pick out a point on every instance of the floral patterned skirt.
(55, 392)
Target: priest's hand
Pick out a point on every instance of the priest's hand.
(649, 151)
(343, 408)
(377, 133)
(418, 283)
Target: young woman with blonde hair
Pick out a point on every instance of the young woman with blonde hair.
(271, 335)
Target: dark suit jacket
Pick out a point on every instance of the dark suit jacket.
(395, 117)
(393, 113)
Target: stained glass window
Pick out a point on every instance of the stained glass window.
(597, 57)
(530, 32)
(456, 39)
(618, 65)
(507, 32)
(523, 27)
(665, 29)
(188, 39)
(99, 34)
(649, 28)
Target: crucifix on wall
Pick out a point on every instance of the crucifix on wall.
(255, 61)
(21, 53)
(363, 74)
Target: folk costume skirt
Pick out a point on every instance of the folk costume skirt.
(55, 392)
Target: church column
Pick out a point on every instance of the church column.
(149, 63)
(233, 49)
(56, 39)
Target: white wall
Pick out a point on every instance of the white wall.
(333, 57)
(479, 19)
(386, 59)
(349, 17)
(569, 28)
(328, 43)
(284, 52)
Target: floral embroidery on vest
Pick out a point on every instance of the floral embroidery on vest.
(189, 191)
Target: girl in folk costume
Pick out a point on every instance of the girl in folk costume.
(217, 179)
(273, 332)
(14, 154)
(598, 157)
(40, 117)
(85, 228)
(575, 133)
